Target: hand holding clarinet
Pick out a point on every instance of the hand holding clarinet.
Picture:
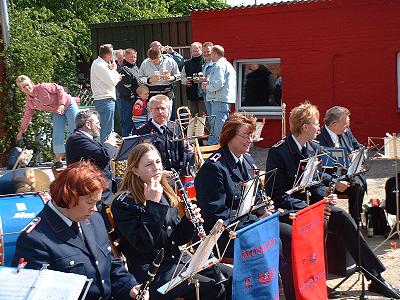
(151, 272)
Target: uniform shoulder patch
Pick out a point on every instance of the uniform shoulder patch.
(32, 225)
(278, 143)
(215, 157)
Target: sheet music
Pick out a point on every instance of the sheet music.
(308, 174)
(38, 285)
(200, 258)
(259, 128)
(356, 162)
(196, 127)
(248, 196)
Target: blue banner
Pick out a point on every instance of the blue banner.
(256, 261)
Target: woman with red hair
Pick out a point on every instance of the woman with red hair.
(70, 236)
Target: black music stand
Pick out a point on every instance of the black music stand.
(128, 143)
(306, 178)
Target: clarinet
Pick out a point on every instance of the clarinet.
(151, 272)
(188, 206)
(201, 233)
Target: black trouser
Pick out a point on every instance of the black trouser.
(356, 197)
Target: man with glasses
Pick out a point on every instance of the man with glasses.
(173, 153)
(82, 145)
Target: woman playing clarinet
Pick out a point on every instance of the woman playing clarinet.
(146, 219)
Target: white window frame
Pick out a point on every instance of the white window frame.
(268, 111)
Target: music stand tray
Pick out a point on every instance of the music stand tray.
(199, 261)
(306, 177)
(128, 143)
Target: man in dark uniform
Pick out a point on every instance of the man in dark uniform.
(336, 133)
(70, 236)
(219, 187)
(81, 145)
(285, 157)
(173, 153)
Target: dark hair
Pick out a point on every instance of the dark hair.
(79, 179)
(83, 116)
(233, 124)
(154, 53)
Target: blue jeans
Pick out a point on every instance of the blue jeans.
(125, 112)
(208, 107)
(106, 109)
(59, 122)
(221, 112)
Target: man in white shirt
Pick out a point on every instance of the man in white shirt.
(103, 79)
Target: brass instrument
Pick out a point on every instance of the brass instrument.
(184, 116)
(283, 120)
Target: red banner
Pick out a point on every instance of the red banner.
(308, 256)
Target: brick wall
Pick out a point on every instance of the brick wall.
(339, 52)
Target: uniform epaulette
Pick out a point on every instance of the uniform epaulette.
(215, 157)
(278, 143)
(315, 141)
(31, 225)
(121, 197)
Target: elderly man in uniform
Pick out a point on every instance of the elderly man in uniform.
(336, 133)
(173, 153)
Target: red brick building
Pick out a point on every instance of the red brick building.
(337, 52)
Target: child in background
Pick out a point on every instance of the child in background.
(139, 111)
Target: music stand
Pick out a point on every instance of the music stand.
(247, 203)
(199, 261)
(306, 177)
(128, 143)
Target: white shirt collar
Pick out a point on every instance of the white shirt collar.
(334, 136)
(158, 125)
(297, 143)
(60, 214)
(237, 158)
(86, 133)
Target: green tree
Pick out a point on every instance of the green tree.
(47, 37)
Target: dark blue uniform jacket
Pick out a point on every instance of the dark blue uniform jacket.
(53, 242)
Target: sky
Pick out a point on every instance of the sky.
(251, 2)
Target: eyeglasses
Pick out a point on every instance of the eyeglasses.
(250, 137)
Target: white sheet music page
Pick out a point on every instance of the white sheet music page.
(38, 285)
(309, 172)
(196, 127)
(248, 196)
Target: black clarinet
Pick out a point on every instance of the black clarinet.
(188, 206)
(151, 272)
(201, 233)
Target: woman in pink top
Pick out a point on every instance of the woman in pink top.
(52, 98)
